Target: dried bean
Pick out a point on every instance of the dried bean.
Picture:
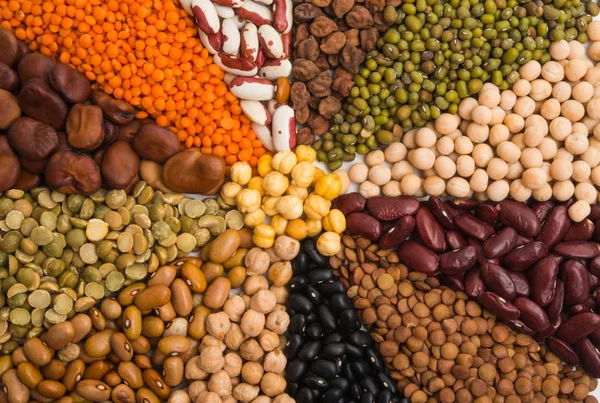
(589, 356)
(474, 227)
(418, 257)
(555, 226)
(430, 231)
(564, 351)
(578, 327)
(364, 225)
(392, 208)
(498, 306)
(532, 314)
(500, 243)
(351, 203)
(474, 285)
(554, 308)
(577, 283)
(519, 216)
(458, 261)
(524, 256)
(497, 280)
(578, 249)
(441, 212)
(398, 232)
(580, 231)
(543, 281)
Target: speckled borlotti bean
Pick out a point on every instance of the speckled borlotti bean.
(284, 128)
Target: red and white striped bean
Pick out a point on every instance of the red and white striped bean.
(251, 88)
(255, 13)
(256, 112)
(235, 65)
(283, 16)
(229, 3)
(224, 11)
(249, 42)
(270, 42)
(231, 36)
(274, 69)
(206, 16)
(263, 133)
(284, 128)
(212, 42)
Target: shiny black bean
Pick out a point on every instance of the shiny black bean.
(320, 276)
(310, 247)
(313, 294)
(316, 382)
(360, 338)
(297, 324)
(298, 283)
(315, 331)
(300, 303)
(311, 317)
(305, 395)
(385, 396)
(295, 370)
(372, 357)
(353, 351)
(348, 321)
(300, 264)
(333, 350)
(292, 389)
(341, 383)
(333, 395)
(370, 385)
(356, 391)
(326, 317)
(339, 302)
(333, 287)
(367, 398)
(387, 382)
(310, 350)
(325, 368)
(332, 338)
(294, 345)
(360, 368)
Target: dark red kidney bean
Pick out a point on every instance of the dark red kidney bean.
(555, 227)
(594, 266)
(455, 240)
(418, 257)
(497, 280)
(543, 280)
(351, 203)
(500, 243)
(578, 249)
(453, 282)
(549, 331)
(542, 209)
(564, 351)
(522, 240)
(391, 208)
(524, 256)
(474, 285)
(453, 210)
(521, 283)
(579, 308)
(519, 326)
(519, 216)
(578, 327)
(430, 231)
(594, 281)
(596, 235)
(554, 308)
(480, 256)
(464, 203)
(441, 212)
(398, 232)
(532, 314)
(474, 227)
(595, 337)
(364, 225)
(487, 212)
(589, 357)
(458, 261)
(569, 202)
(498, 306)
(580, 231)
(577, 282)
(594, 213)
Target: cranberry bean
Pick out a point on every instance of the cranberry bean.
(565, 352)
(430, 231)
(594, 213)
(555, 227)
(519, 216)
(418, 257)
(554, 308)
(543, 280)
(594, 266)
(465, 203)
(498, 306)
(580, 231)
(487, 212)
(398, 233)
(542, 209)
(474, 227)
(589, 356)
(578, 327)
(532, 314)
(519, 326)
(456, 240)
(364, 225)
(351, 203)
(500, 243)
(578, 249)
(497, 280)
(525, 256)
(458, 261)
(392, 208)
(453, 282)
(521, 283)
(441, 212)
(577, 282)
(474, 285)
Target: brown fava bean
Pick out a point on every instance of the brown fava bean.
(578, 327)
(500, 243)
(60, 335)
(9, 109)
(69, 83)
(217, 293)
(117, 111)
(364, 225)
(38, 101)
(205, 173)
(524, 256)
(10, 168)
(9, 47)
(458, 261)
(498, 281)
(418, 257)
(397, 233)
(9, 80)
(578, 249)
(519, 216)
(155, 143)
(392, 208)
(120, 165)
(498, 306)
(32, 139)
(577, 282)
(429, 230)
(84, 128)
(532, 314)
(35, 65)
(73, 173)
(94, 390)
(474, 227)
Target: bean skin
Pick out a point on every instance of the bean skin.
(418, 257)
(554, 308)
(487, 212)
(594, 213)
(441, 212)
(564, 351)
(453, 282)
(577, 282)
(364, 225)
(351, 203)
(578, 249)
(532, 314)
(519, 326)
(521, 283)
(456, 240)
(498, 306)
(525, 256)
(458, 261)
(474, 285)
(589, 356)
(497, 280)
(474, 227)
(555, 227)
(398, 233)
(580, 231)
(465, 203)
(578, 327)
(519, 216)
(392, 208)
(430, 231)
(500, 243)
(543, 281)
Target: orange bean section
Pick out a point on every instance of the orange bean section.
(148, 53)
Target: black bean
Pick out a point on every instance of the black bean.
(333, 287)
(347, 372)
(372, 357)
(313, 294)
(360, 338)
(370, 385)
(326, 317)
(310, 248)
(316, 382)
(356, 391)
(333, 338)
(310, 351)
(341, 383)
(300, 303)
(360, 368)
(294, 345)
(385, 396)
(311, 317)
(387, 382)
(339, 302)
(326, 368)
(297, 324)
(348, 321)
(320, 275)
(353, 350)
(300, 263)
(305, 395)
(333, 395)
(295, 370)
(315, 331)
(292, 389)
(333, 350)
(298, 283)
(367, 398)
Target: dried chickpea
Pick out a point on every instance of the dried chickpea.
(263, 236)
(275, 183)
(329, 243)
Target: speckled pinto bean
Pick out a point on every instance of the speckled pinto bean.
(496, 279)
(498, 306)
(351, 203)
(474, 227)
(458, 261)
(589, 357)
(525, 256)
(364, 225)
(430, 231)
(580, 231)
(392, 208)
(564, 351)
(418, 257)
(578, 249)
(555, 227)
(578, 327)
(474, 285)
(398, 232)
(500, 243)
(441, 212)
(532, 314)
(577, 282)
(554, 308)
(543, 280)
(519, 216)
